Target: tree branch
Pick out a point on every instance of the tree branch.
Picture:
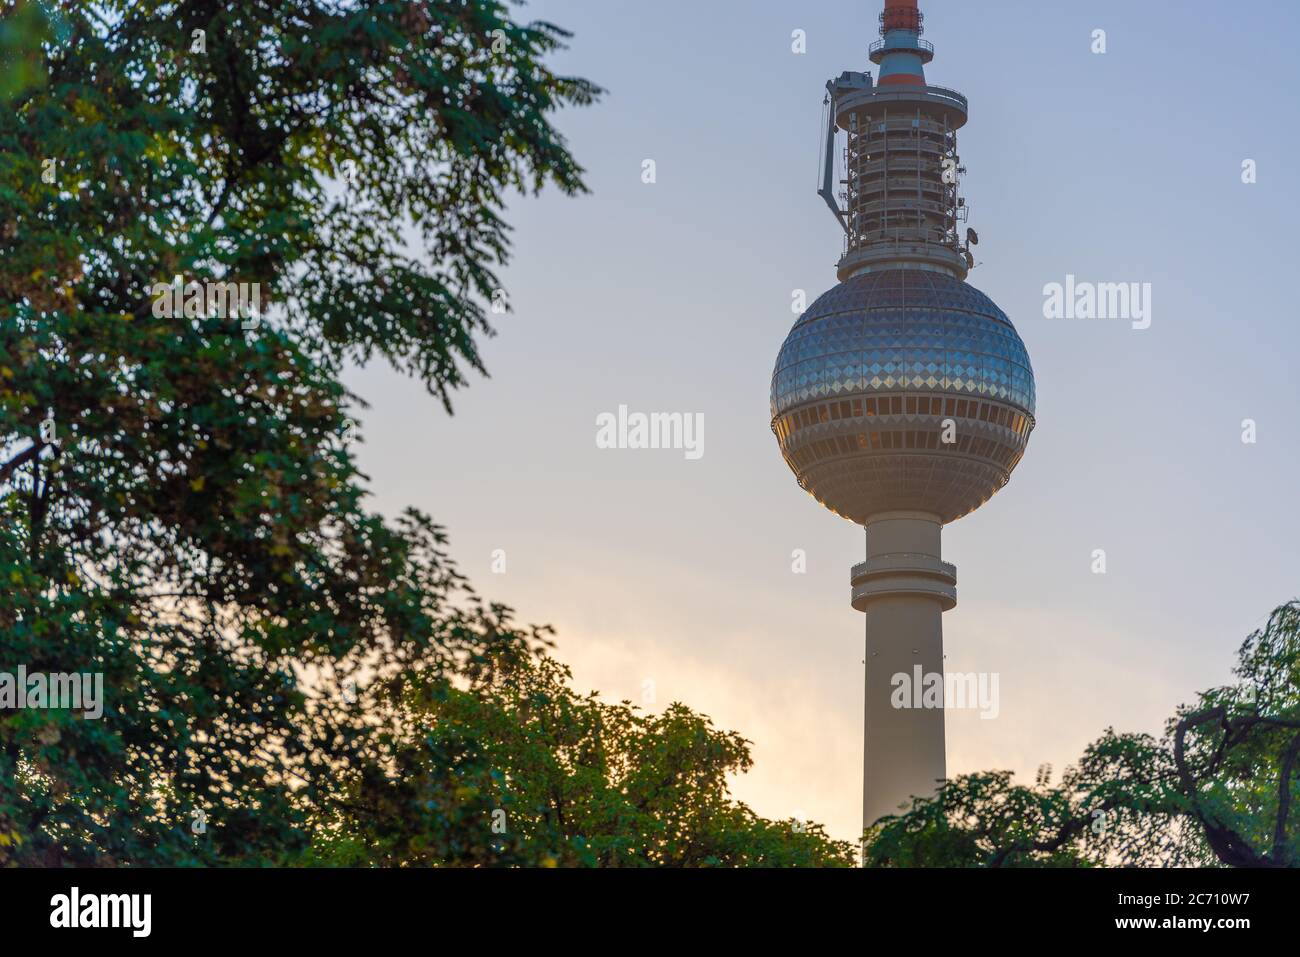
(1284, 800)
(21, 459)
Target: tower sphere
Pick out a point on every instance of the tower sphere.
(902, 389)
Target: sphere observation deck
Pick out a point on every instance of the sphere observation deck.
(879, 372)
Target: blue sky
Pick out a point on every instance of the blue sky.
(674, 575)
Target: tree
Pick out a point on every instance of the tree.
(574, 781)
(288, 677)
(195, 528)
(1220, 787)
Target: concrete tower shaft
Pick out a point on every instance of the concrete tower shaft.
(904, 589)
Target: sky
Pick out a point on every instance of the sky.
(670, 578)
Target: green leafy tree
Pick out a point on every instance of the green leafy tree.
(1220, 787)
(196, 529)
(289, 678)
(569, 780)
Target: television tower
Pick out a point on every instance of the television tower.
(903, 397)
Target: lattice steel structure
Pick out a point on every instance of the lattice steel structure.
(899, 206)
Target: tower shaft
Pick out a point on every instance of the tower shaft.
(904, 588)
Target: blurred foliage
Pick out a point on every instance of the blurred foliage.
(291, 669)
(24, 26)
(1219, 788)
